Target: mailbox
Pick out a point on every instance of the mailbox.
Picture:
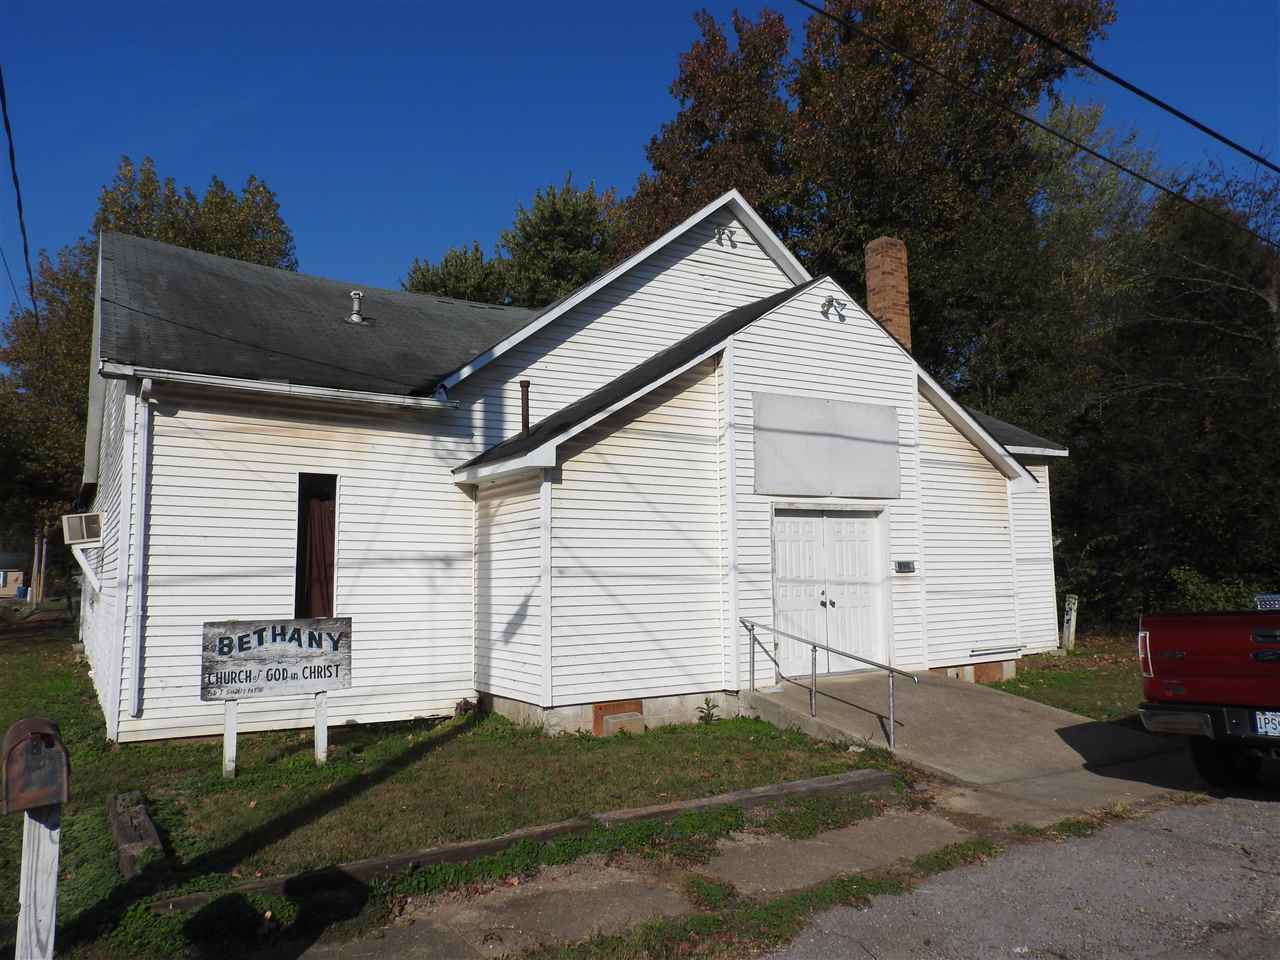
(36, 771)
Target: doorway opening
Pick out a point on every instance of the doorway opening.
(317, 545)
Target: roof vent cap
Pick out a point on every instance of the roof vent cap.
(356, 297)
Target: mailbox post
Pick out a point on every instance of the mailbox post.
(35, 776)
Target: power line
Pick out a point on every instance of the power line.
(17, 190)
(12, 286)
(847, 23)
(1151, 98)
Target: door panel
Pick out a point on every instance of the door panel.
(799, 582)
(855, 582)
(828, 587)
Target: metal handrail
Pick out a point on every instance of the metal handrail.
(814, 647)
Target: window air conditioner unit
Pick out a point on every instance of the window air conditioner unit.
(82, 529)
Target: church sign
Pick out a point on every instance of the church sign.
(246, 659)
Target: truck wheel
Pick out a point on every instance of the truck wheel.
(1224, 764)
(1245, 767)
(1210, 761)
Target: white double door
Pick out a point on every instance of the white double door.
(829, 579)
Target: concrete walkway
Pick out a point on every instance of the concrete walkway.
(1033, 762)
(1005, 760)
(569, 903)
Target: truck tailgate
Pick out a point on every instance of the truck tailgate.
(1226, 658)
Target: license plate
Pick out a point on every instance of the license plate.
(1266, 723)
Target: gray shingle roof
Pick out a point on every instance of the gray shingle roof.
(1013, 436)
(170, 308)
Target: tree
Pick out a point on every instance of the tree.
(462, 273)
(554, 246)
(732, 130)
(245, 226)
(44, 377)
(1187, 403)
(1150, 348)
(848, 141)
(559, 243)
(43, 390)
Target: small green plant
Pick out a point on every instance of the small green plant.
(1029, 832)
(710, 894)
(954, 855)
(707, 713)
(1076, 826)
(799, 819)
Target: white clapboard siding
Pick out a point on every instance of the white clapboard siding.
(100, 611)
(695, 278)
(509, 614)
(635, 541)
(968, 554)
(1033, 556)
(221, 546)
(796, 351)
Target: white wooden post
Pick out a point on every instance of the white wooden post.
(1069, 617)
(38, 884)
(229, 739)
(322, 727)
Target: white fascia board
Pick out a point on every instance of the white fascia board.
(295, 391)
(545, 455)
(1038, 452)
(958, 417)
(767, 239)
(97, 388)
(543, 458)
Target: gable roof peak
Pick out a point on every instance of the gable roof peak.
(733, 199)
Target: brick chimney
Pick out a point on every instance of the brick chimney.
(887, 297)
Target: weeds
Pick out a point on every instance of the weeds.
(808, 816)
(689, 838)
(710, 894)
(954, 855)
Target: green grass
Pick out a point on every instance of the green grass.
(954, 855)
(809, 816)
(710, 894)
(736, 930)
(688, 838)
(1072, 828)
(387, 788)
(1099, 679)
(731, 927)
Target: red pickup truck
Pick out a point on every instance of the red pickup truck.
(1216, 678)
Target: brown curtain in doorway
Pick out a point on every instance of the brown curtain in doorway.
(317, 564)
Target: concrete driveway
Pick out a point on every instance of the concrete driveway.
(1031, 761)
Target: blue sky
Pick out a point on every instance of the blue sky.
(394, 130)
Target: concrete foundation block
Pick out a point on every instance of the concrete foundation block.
(591, 717)
(995, 672)
(632, 723)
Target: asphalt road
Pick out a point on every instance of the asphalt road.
(1184, 883)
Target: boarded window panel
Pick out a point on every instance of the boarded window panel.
(810, 447)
